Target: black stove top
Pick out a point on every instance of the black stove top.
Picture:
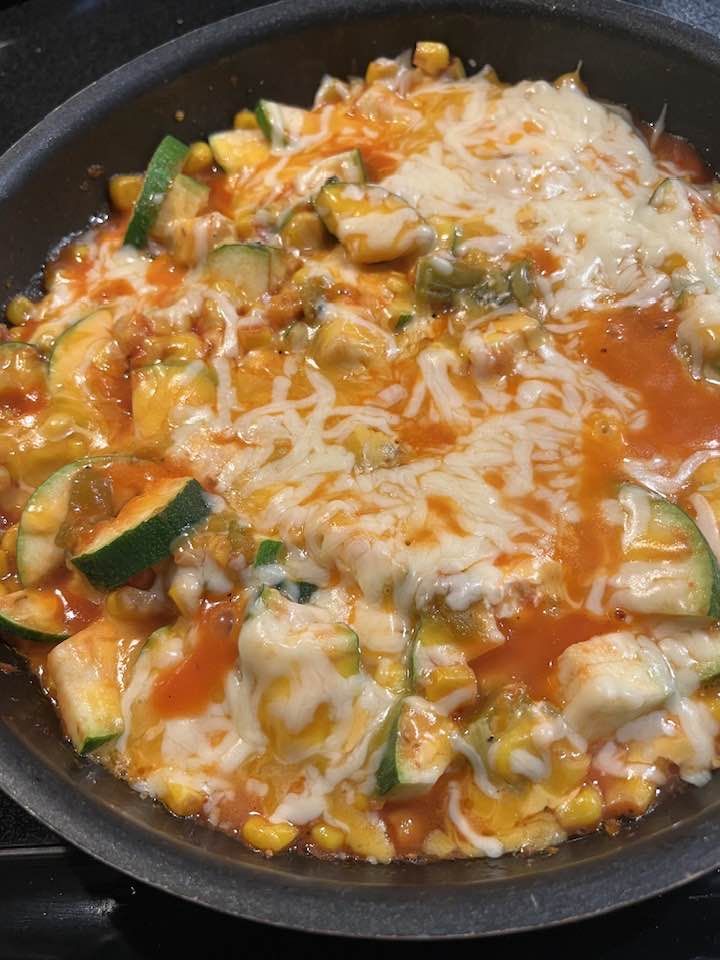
(58, 903)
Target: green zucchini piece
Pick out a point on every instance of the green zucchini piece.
(347, 167)
(184, 200)
(428, 634)
(143, 532)
(417, 752)
(438, 663)
(273, 551)
(37, 553)
(279, 123)
(444, 282)
(83, 671)
(31, 615)
(299, 591)
(522, 283)
(253, 268)
(372, 224)
(269, 551)
(669, 567)
(404, 320)
(164, 166)
(506, 723)
(75, 350)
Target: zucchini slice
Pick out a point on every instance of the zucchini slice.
(184, 200)
(438, 666)
(37, 553)
(164, 166)
(372, 224)
(668, 567)
(143, 532)
(273, 551)
(506, 725)
(252, 268)
(238, 150)
(347, 167)
(279, 123)
(75, 351)
(444, 282)
(418, 750)
(83, 671)
(163, 392)
(31, 615)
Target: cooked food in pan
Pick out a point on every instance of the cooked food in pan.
(360, 482)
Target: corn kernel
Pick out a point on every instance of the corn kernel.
(628, 798)
(431, 58)
(4, 563)
(266, 836)
(182, 347)
(327, 837)
(183, 800)
(361, 802)
(305, 231)
(199, 157)
(124, 190)
(581, 812)
(380, 69)
(245, 223)
(19, 310)
(449, 679)
(245, 120)
(9, 540)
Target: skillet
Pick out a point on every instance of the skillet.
(281, 51)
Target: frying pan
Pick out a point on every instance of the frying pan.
(46, 194)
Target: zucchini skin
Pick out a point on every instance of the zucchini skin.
(33, 558)
(269, 551)
(704, 562)
(145, 544)
(386, 777)
(12, 627)
(164, 166)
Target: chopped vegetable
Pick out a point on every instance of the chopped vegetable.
(372, 224)
(142, 533)
(164, 166)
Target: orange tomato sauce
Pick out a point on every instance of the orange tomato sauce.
(186, 690)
